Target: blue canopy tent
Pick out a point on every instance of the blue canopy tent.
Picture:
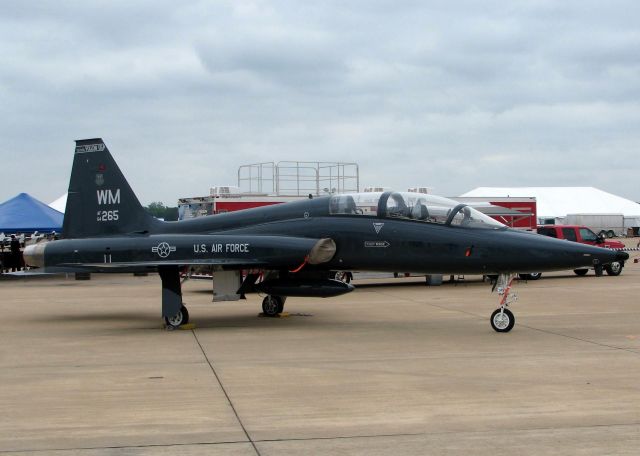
(25, 214)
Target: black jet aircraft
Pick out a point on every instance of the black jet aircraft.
(294, 246)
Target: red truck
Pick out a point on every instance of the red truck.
(584, 235)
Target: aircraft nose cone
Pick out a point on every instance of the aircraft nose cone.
(622, 256)
(549, 254)
(608, 256)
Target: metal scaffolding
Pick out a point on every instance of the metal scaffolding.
(299, 178)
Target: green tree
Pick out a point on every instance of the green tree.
(171, 214)
(159, 210)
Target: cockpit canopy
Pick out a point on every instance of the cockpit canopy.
(413, 206)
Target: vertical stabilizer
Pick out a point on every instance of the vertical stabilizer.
(100, 201)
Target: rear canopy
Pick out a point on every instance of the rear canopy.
(25, 214)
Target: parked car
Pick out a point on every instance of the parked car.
(584, 235)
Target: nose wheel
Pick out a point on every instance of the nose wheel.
(502, 319)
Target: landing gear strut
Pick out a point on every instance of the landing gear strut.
(502, 319)
(173, 310)
(273, 305)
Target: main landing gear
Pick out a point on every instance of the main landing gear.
(174, 312)
(179, 319)
(273, 305)
(502, 319)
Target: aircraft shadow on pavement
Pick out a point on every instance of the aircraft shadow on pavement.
(211, 319)
(414, 284)
(561, 277)
(88, 317)
(208, 319)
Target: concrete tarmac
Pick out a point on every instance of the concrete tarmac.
(392, 368)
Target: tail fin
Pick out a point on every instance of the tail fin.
(100, 201)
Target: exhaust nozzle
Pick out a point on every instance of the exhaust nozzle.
(34, 255)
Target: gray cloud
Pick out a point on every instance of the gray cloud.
(448, 95)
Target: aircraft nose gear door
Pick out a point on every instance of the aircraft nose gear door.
(502, 319)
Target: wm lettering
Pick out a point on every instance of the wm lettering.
(108, 197)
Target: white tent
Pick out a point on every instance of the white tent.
(557, 202)
(60, 204)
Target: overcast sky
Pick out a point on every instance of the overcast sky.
(451, 95)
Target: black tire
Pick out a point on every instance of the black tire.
(581, 272)
(602, 234)
(614, 269)
(179, 319)
(530, 276)
(272, 305)
(504, 323)
(611, 234)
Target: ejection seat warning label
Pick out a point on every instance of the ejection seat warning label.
(221, 248)
(377, 244)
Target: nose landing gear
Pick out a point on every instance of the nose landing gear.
(502, 319)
